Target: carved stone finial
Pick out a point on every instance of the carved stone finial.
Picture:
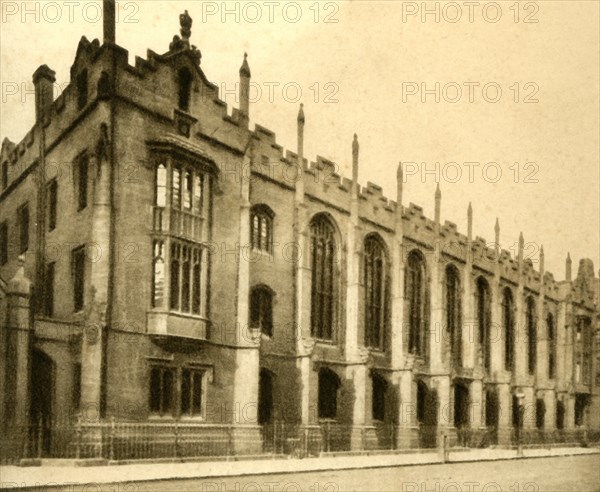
(245, 68)
(301, 114)
(186, 25)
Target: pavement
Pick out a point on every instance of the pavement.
(71, 474)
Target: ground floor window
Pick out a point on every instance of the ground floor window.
(540, 412)
(560, 415)
(329, 383)
(191, 392)
(581, 403)
(176, 391)
(161, 390)
(378, 402)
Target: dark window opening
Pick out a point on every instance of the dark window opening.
(560, 415)
(82, 89)
(531, 336)
(52, 191)
(184, 78)
(161, 390)
(324, 276)
(516, 414)
(3, 243)
(23, 229)
(82, 181)
(329, 383)
(454, 314)
(417, 299)
(376, 292)
(461, 405)
(492, 408)
(378, 401)
(261, 310)
(186, 278)
(551, 346)
(48, 291)
(4, 175)
(483, 321)
(191, 392)
(265, 396)
(508, 325)
(581, 403)
(78, 276)
(540, 412)
(261, 228)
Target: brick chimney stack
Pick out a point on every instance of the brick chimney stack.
(43, 81)
(108, 14)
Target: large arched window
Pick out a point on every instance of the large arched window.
(453, 313)
(483, 321)
(508, 328)
(261, 228)
(551, 346)
(417, 303)
(323, 284)
(531, 335)
(376, 292)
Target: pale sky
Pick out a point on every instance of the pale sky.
(355, 76)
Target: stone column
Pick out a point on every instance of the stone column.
(17, 338)
(357, 375)
(469, 334)
(96, 293)
(504, 413)
(407, 435)
(550, 417)
(302, 277)
(407, 432)
(245, 383)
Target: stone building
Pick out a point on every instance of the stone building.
(162, 262)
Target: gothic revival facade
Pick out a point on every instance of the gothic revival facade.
(163, 262)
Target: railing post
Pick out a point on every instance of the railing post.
(328, 433)
(229, 440)
(393, 436)
(78, 438)
(111, 440)
(274, 437)
(176, 431)
(306, 441)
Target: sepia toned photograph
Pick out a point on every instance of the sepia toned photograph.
(295, 246)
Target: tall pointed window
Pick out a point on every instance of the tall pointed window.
(184, 80)
(323, 283)
(483, 321)
(23, 214)
(453, 314)
(508, 328)
(261, 228)
(376, 292)
(52, 196)
(551, 346)
(417, 303)
(531, 335)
